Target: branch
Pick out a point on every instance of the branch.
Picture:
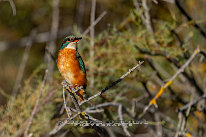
(11, 2)
(91, 109)
(44, 37)
(193, 104)
(122, 121)
(52, 38)
(112, 84)
(92, 31)
(58, 127)
(22, 65)
(146, 17)
(189, 18)
(36, 104)
(175, 62)
(162, 89)
(120, 110)
(161, 78)
(94, 23)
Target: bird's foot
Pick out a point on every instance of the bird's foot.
(73, 88)
(83, 115)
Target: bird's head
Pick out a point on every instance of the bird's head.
(70, 42)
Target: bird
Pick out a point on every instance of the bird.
(71, 66)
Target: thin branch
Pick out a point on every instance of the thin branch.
(146, 17)
(92, 31)
(44, 37)
(13, 7)
(170, 1)
(68, 111)
(59, 127)
(11, 2)
(162, 89)
(175, 62)
(4, 94)
(65, 102)
(189, 18)
(193, 104)
(53, 38)
(36, 104)
(161, 78)
(22, 66)
(180, 117)
(122, 121)
(112, 84)
(94, 23)
(46, 100)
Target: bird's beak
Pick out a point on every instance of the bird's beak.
(76, 39)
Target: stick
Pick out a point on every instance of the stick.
(153, 101)
(52, 38)
(44, 37)
(194, 103)
(22, 66)
(122, 121)
(58, 127)
(92, 18)
(112, 84)
(94, 23)
(36, 104)
(189, 18)
(11, 2)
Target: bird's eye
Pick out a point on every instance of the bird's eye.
(71, 39)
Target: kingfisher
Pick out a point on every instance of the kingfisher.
(71, 65)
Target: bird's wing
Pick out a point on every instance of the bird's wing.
(81, 63)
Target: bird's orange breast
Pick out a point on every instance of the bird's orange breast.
(68, 66)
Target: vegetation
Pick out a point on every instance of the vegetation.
(168, 42)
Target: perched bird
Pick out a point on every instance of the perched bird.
(71, 65)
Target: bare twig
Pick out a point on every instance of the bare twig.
(11, 2)
(189, 18)
(113, 84)
(145, 17)
(175, 62)
(153, 101)
(122, 121)
(46, 100)
(36, 105)
(68, 111)
(58, 127)
(52, 38)
(22, 66)
(94, 23)
(170, 1)
(180, 117)
(4, 93)
(92, 18)
(44, 37)
(65, 102)
(194, 103)
(158, 126)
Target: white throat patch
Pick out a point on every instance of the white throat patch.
(72, 45)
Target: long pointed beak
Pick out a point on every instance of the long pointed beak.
(76, 39)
